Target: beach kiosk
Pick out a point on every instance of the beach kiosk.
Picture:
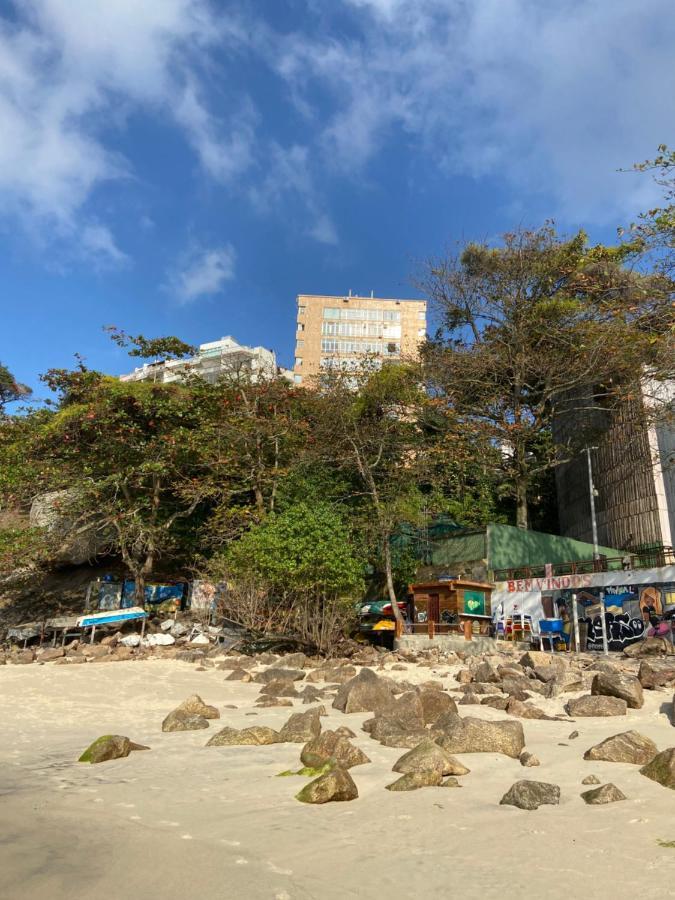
(453, 605)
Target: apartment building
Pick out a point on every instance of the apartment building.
(213, 360)
(633, 469)
(340, 331)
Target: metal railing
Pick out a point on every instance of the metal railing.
(647, 559)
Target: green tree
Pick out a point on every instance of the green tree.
(296, 570)
(369, 426)
(303, 548)
(128, 457)
(655, 228)
(10, 389)
(538, 328)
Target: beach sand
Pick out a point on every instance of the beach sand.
(184, 820)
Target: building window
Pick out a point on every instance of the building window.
(301, 326)
(362, 315)
(299, 345)
(421, 332)
(301, 310)
(298, 361)
(297, 379)
(422, 315)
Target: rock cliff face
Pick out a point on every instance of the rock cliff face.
(73, 545)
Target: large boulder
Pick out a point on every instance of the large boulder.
(434, 704)
(57, 513)
(109, 746)
(179, 720)
(255, 736)
(332, 674)
(654, 646)
(336, 785)
(626, 747)
(534, 658)
(279, 674)
(661, 768)
(486, 673)
(656, 673)
(279, 689)
(526, 710)
(301, 727)
(626, 687)
(291, 661)
(195, 706)
(471, 735)
(596, 706)
(412, 781)
(606, 793)
(366, 692)
(428, 756)
(531, 795)
(331, 745)
(401, 724)
(50, 654)
(239, 674)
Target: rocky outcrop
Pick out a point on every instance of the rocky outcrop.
(366, 692)
(656, 673)
(596, 706)
(279, 674)
(531, 795)
(434, 704)
(179, 720)
(654, 646)
(301, 727)
(626, 687)
(334, 786)
(413, 781)
(195, 706)
(606, 793)
(255, 736)
(661, 768)
(428, 756)
(109, 746)
(279, 689)
(627, 747)
(480, 736)
(331, 745)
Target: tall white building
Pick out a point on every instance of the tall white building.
(215, 359)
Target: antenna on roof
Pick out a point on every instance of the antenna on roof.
(350, 292)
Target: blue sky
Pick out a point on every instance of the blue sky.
(188, 166)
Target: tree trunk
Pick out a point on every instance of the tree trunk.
(522, 517)
(398, 615)
(139, 587)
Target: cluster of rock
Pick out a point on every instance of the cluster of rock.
(425, 721)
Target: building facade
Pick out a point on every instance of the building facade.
(213, 360)
(633, 467)
(340, 331)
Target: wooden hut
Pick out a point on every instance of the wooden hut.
(453, 605)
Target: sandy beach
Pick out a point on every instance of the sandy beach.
(187, 820)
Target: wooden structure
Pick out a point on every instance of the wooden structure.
(454, 605)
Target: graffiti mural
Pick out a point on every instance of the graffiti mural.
(622, 630)
(627, 612)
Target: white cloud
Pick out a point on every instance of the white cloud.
(554, 97)
(69, 68)
(289, 175)
(202, 273)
